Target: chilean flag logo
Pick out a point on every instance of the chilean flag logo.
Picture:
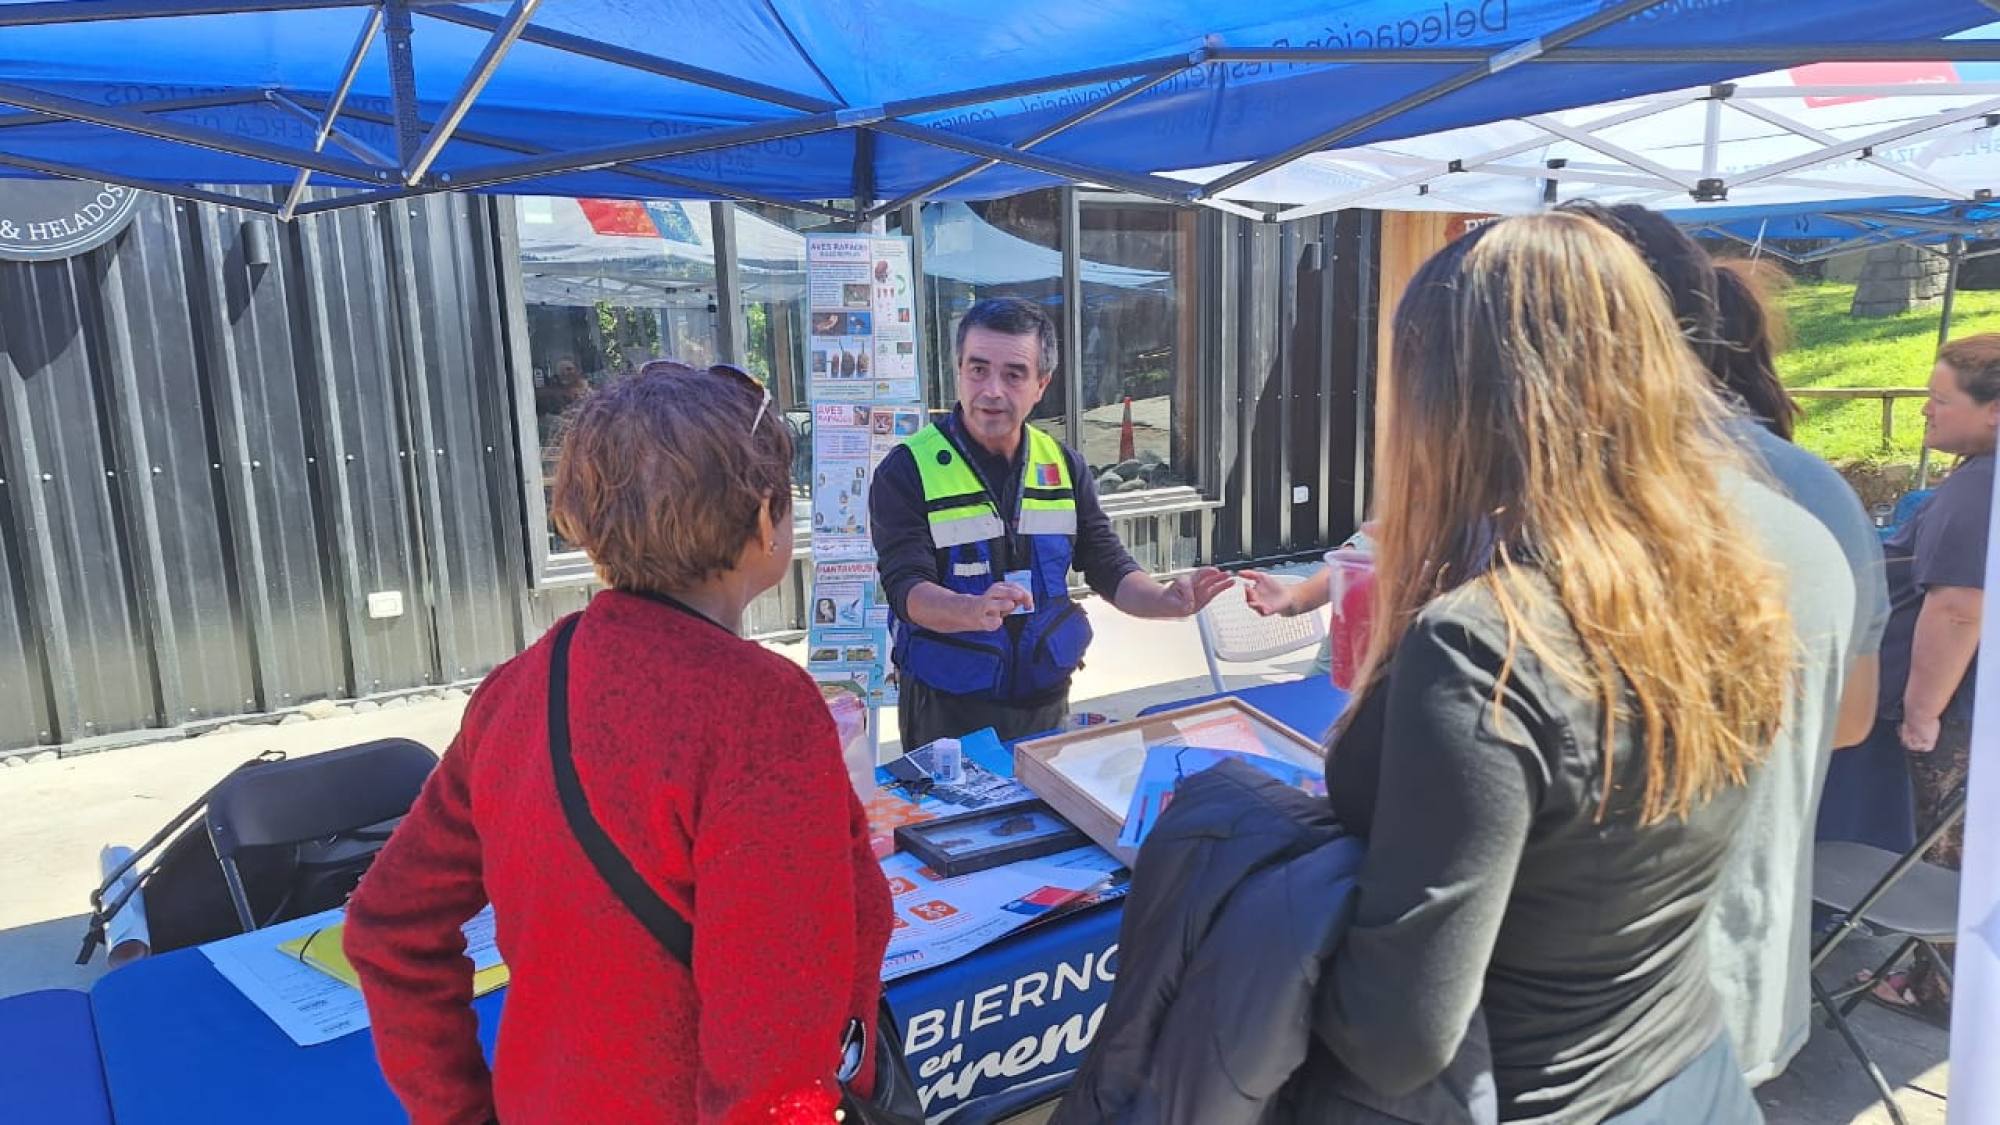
(1048, 476)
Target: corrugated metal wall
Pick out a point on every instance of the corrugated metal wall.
(219, 435)
(1289, 340)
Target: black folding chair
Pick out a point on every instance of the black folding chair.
(1890, 894)
(340, 803)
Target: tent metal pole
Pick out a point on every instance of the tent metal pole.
(1152, 187)
(1830, 153)
(683, 184)
(634, 60)
(1954, 257)
(966, 172)
(1711, 134)
(475, 82)
(144, 125)
(348, 73)
(326, 127)
(1431, 169)
(1623, 155)
(1492, 65)
(98, 11)
(1771, 250)
(346, 140)
(1143, 68)
(96, 175)
(170, 105)
(593, 159)
(1951, 50)
(403, 81)
(1853, 90)
(1821, 137)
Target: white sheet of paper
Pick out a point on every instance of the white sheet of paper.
(306, 1004)
(1106, 767)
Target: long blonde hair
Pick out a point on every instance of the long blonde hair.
(1546, 416)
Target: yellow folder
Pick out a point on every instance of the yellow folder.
(321, 949)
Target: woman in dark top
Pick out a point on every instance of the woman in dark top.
(1937, 578)
(1552, 738)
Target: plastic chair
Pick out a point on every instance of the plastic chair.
(1891, 894)
(338, 793)
(1232, 631)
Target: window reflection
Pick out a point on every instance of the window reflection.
(771, 272)
(610, 284)
(1138, 354)
(998, 248)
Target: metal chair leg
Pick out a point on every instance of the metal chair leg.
(1882, 1087)
(1878, 975)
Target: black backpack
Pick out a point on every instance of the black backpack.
(187, 900)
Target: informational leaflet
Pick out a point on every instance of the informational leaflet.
(308, 1005)
(938, 920)
(863, 386)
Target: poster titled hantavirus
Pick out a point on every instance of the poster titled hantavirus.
(863, 389)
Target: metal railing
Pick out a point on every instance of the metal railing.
(1888, 395)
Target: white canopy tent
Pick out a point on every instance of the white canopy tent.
(1829, 132)
(1874, 153)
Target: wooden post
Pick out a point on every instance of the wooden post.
(1888, 423)
(1409, 238)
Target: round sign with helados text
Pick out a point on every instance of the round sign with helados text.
(45, 220)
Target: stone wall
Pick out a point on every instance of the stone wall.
(1896, 279)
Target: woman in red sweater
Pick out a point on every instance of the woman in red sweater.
(710, 762)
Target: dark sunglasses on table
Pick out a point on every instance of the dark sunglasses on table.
(726, 370)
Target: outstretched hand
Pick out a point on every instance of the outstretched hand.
(1190, 593)
(1265, 594)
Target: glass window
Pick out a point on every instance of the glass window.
(1139, 349)
(771, 287)
(610, 284)
(999, 248)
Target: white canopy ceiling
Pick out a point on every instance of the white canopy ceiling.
(1834, 131)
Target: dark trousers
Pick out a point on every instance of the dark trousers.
(926, 714)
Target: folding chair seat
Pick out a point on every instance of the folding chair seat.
(1891, 895)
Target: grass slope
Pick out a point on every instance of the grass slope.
(1831, 349)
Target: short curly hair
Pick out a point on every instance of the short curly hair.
(1976, 362)
(661, 476)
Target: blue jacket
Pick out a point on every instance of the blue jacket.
(1239, 898)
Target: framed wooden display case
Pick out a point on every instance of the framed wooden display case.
(1089, 775)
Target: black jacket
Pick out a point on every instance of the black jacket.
(1240, 895)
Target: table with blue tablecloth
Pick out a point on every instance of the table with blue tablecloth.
(50, 1072)
(991, 1033)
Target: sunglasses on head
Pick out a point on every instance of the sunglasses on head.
(726, 370)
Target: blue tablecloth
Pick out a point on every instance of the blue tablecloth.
(1308, 705)
(986, 1034)
(180, 1045)
(49, 1068)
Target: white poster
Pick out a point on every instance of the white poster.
(862, 381)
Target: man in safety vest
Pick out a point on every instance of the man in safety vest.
(978, 521)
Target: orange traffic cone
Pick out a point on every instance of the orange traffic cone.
(1125, 450)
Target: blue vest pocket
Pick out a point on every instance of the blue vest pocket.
(1061, 636)
(956, 665)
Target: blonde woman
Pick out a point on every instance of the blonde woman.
(1553, 733)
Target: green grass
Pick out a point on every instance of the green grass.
(1831, 349)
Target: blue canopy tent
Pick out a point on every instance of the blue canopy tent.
(872, 104)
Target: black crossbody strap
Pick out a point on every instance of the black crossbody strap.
(661, 920)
